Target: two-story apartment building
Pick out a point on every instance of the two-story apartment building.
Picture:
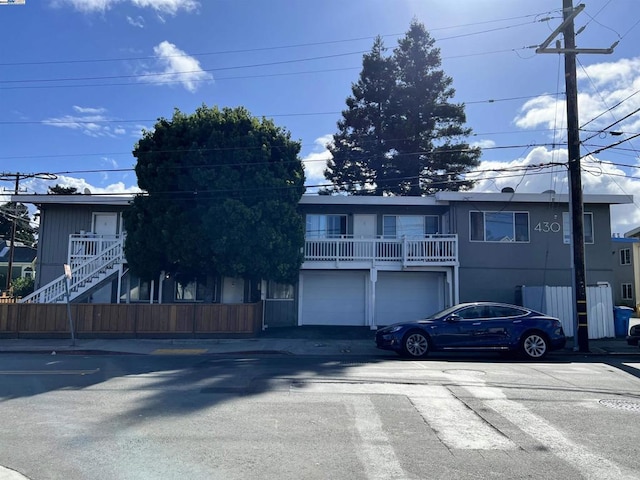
(368, 261)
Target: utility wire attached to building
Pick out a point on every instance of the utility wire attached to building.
(576, 206)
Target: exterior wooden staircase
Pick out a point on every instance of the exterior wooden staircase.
(93, 259)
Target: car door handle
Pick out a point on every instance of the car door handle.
(517, 321)
(476, 323)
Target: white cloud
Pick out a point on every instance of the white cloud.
(597, 178)
(168, 6)
(614, 82)
(176, 66)
(171, 7)
(316, 161)
(89, 109)
(41, 186)
(135, 22)
(486, 143)
(90, 121)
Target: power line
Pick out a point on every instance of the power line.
(282, 47)
(78, 121)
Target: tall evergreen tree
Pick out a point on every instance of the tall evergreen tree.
(400, 134)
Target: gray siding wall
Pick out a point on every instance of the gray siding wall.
(493, 271)
(57, 222)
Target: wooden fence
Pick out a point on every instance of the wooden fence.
(131, 320)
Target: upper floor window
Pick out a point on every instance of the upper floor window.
(326, 226)
(499, 226)
(587, 223)
(625, 256)
(398, 226)
(627, 291)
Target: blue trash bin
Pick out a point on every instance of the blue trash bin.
(621, 316)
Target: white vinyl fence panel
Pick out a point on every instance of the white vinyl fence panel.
(558, 302)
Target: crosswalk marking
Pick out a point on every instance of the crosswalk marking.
(456, 424)
(591, 465)
(378, 457)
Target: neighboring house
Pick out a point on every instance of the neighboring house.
(626, 259)
(24, 260)
(369, 261)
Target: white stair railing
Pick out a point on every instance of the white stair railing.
(84, 275)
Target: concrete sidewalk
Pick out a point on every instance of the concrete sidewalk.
(300, 341)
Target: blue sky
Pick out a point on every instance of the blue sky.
(79, 79)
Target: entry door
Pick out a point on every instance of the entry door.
(232, 290)
(105, 223)
(364, 226)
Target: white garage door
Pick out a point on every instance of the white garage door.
(402, 296)
(333, 298)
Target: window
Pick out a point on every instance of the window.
(499, 226)
(27, 272)
(471, 313)
(191, 291)
(326, 226)
(497, 311)
(398, 226)
(627, 291)
(625, 256)
(139, 289)
(279, 291)
(588, 228)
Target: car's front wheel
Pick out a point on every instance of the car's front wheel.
(534, 346)
(415, 345)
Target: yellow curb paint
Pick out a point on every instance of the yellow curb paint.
(179, 351)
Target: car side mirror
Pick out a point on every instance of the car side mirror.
(453, 318)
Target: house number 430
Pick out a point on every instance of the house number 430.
(547, 227)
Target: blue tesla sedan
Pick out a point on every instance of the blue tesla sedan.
(479, 326)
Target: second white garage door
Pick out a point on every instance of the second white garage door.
(403, 296)
(333, 298)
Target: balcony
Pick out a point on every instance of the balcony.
(346, 252)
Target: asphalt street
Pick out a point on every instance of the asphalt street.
(291, 417)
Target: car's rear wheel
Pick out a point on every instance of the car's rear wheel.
(415, 345)
(534, 346)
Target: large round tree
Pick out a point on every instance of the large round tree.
(221, 190)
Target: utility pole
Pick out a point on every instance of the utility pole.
(14, 226)
(576, 206)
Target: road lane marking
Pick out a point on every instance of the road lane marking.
(179, 351)
(378, 457)
(9, 474)
(49, 372)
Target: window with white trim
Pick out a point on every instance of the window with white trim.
(627, 291)
(398, 226)
(326, 226)
(625, 256)
(499, 227)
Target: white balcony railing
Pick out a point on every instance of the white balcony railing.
(433, 249)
